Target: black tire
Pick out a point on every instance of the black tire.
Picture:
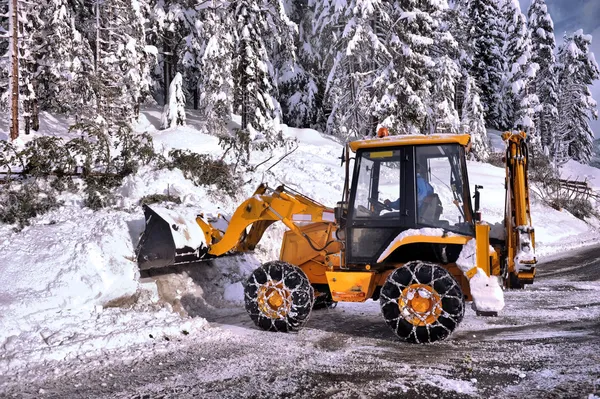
(292, 287)
(447, 305)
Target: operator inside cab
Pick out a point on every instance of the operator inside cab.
(423, 188)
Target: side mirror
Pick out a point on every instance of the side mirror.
(343, 157)
(340, 211)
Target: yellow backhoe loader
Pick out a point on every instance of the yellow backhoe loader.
(405, 233)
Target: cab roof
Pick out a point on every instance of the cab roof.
(410, 139)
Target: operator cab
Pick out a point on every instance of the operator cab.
(396, 188)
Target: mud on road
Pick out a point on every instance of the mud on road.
(545, 344)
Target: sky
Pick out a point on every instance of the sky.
(570, 15)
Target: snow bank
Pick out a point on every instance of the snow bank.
(69, 259)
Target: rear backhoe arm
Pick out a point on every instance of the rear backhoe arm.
(520, 237)
(261, 210)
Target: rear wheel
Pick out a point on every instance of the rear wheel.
(422, 302)
(278, 297)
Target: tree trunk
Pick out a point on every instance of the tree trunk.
(35, 116)
(166, 70)
(14, 100)
(97, 53)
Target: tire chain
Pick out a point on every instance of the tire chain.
(450, 285)
(301, 293)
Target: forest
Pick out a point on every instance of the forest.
(343, 67)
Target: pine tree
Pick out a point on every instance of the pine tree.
(444, 114)
(254, 81)
(359, 59)
(521, 101)
(544, 86)
(487, 62)
(473, 121)
(13, 54)
(174, 112)
(216, 83)
(577, 72)
(298, 89)
(412, 29)
(446, 73)
(458, 25)
(122, 65)
(173, 30)
(65, 66)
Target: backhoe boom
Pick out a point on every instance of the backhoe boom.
(520, 236)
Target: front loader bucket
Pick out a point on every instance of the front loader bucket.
(169, 239)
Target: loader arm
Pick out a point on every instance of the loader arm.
(171, 239)
(261, 210)
(520, 236)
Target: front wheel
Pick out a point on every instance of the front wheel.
(422, 302)
(279, 297)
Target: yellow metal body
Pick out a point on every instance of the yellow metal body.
(351, 286)
(411, 139)
(260, 211)
(482, 243)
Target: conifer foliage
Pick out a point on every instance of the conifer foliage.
(345, 67)
(543, 43)
(577, 69)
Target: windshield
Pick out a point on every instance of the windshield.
(441, 184)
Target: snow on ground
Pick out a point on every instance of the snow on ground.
(73, 288)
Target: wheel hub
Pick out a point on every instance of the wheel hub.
(420, 304)
(274, 299)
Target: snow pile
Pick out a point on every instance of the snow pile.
(67, 260)
(486, 290)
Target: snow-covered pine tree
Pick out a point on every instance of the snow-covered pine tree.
(446, 73)
(541, 29)
(326, 22)
(473, 121)
(174, 112)
(174, 30)
(577, 71)
(297, 81)
(414, 38)
(122, 68)
(215, 82)
(444, 116)
(254, 76)
(30, 27)
(519, 99)
(65, 67)
(487, 39)
(359, 60)
(457, 22)
(13, 56)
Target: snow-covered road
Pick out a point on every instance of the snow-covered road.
(544, 345)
